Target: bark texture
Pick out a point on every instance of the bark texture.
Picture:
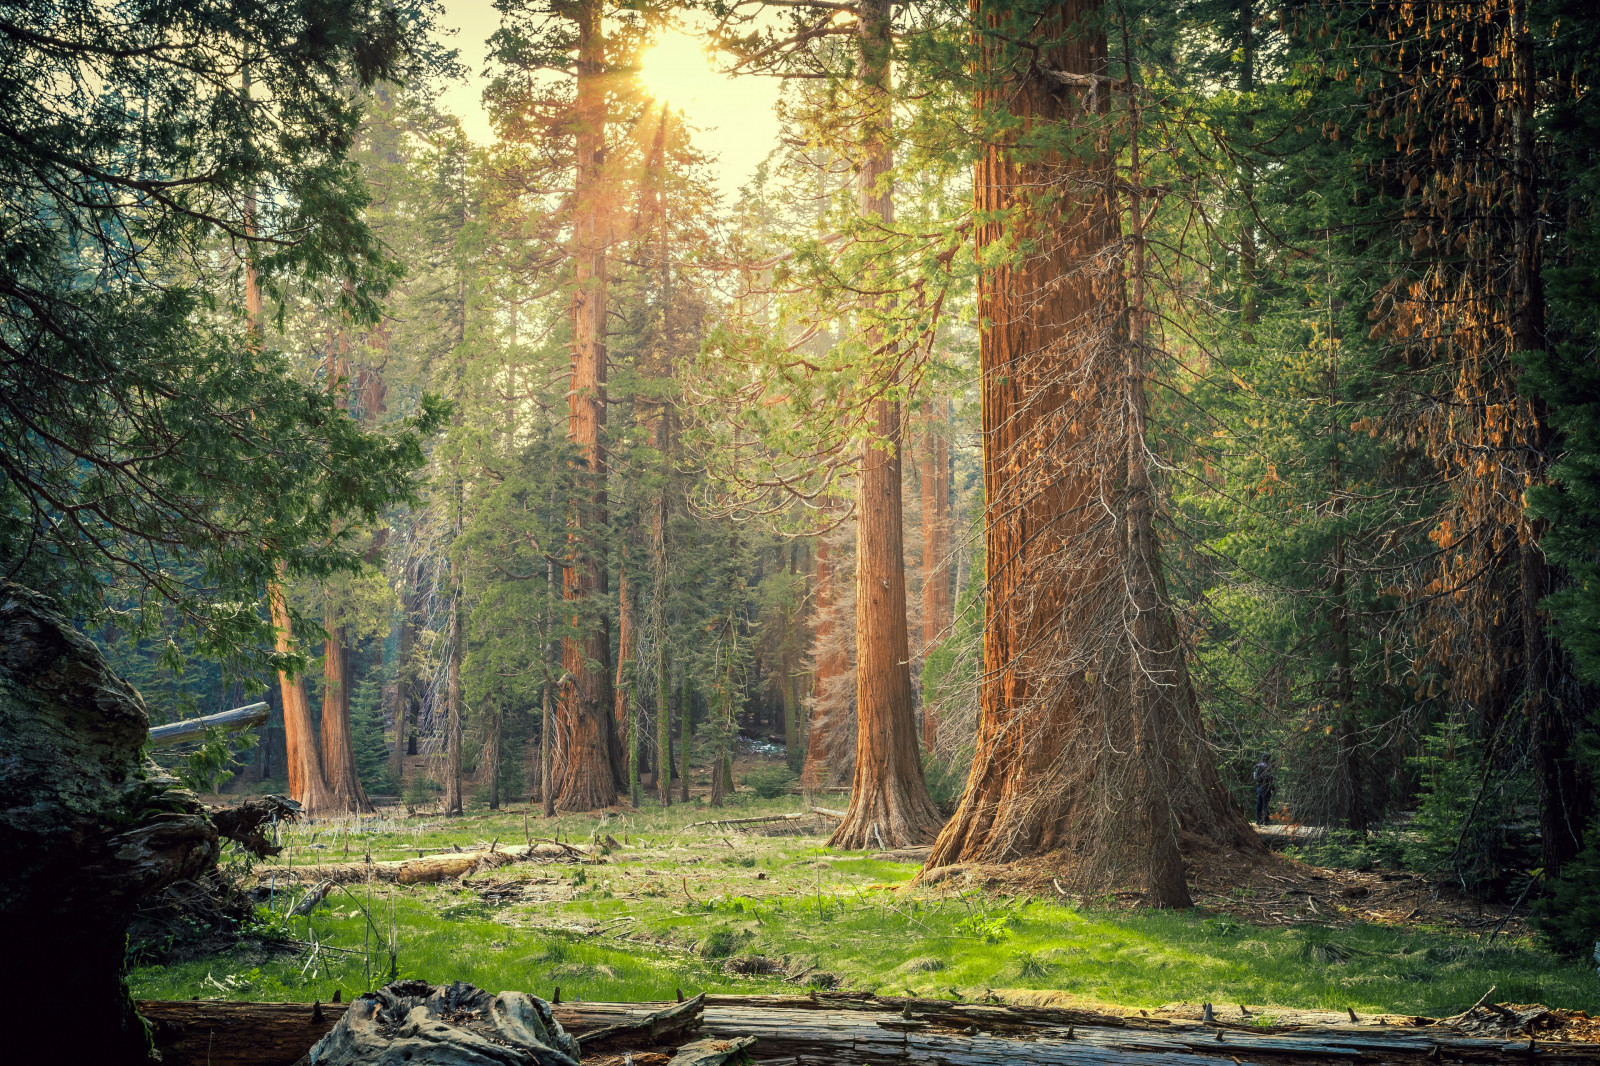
(591, 770)
(889, 802)
(88, 826)
(338, 746)
(1089, 736)
(307, 785)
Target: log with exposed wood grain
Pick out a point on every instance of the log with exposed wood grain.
(848, 1030)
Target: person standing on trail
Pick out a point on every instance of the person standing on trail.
(1263, 778)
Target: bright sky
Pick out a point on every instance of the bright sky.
(735, 116)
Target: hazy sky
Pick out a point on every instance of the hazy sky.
(734, 115)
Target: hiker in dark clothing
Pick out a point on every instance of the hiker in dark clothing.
(1263, 778)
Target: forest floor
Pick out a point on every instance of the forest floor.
(769, 908)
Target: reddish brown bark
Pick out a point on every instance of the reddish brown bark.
(591, 771)
(1089, 738)
(889, 802)
(307, 786)
(338, 748)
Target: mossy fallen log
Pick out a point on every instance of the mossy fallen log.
(850, 1030)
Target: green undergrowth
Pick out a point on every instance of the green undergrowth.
(710, 908)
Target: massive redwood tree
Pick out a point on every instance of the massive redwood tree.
(590, 770)
(889, 802)
(1089, 739)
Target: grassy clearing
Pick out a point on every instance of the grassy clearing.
(691, 900)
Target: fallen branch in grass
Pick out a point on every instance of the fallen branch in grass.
(432, 869)
(795, 817)
(831, 814)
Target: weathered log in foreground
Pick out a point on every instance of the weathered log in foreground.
(823, 1030)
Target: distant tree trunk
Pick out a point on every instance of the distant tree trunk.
(686, 736)
(831, 663)
(338, 747)
(402, 684)
(491, 756)
(452, 783)
(307, 786)
(1089, 740)
(592, 769)
(626, 709)
(889, 801)
(933, 474)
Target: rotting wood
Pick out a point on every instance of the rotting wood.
(844, 1029)
(648, 1031)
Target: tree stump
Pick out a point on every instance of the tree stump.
(89, 827)
(445, 1025)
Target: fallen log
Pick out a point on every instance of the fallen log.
(795, 817)
(165, 736)
(848, 1030)
(831, 814)
(421, 871)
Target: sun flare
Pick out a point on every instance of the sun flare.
(676, 70)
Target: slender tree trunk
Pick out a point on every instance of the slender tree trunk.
(402, 685)
(547, 725)
(932, 474)
(1089, 738)
(831, 663)
(452, 782)
(685, 737)
(627, 646)
(592, 769)
(491, 756)
(889, 802)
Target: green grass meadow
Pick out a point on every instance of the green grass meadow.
(669, 909)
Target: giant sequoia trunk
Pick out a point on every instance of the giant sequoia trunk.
(591, 770)
(889, 802)
(88, 828)
(338, 747)
(307, 785)
(1089, 737)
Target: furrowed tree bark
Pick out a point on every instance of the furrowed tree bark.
(889, 801)
(1089, 738)
(591, 771)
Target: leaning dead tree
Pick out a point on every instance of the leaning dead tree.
(1090, 744)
